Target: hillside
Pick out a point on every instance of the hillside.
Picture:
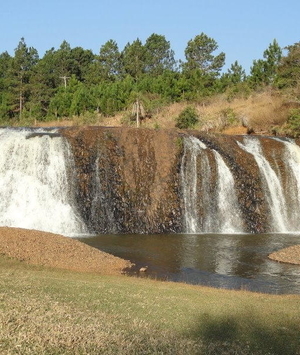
(261, 113)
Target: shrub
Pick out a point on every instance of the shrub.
(227, 117)
(292, 126)
(187, 118)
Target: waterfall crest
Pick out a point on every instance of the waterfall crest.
(210, 202)
(36, 177)
(102, 180)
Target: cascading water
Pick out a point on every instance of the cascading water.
(228, 213)
(189, 181)
(210, 202)
(273, 188)
(292, 162)
(283, 198)
(36, 190)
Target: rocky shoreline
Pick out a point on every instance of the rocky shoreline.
(289, 255)
(52, 250)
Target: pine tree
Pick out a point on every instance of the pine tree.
(110, 61)
(134, 58)
(199, 55)
(22, 69)
(159, 55)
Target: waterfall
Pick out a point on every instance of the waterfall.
(292, 167)
(89, 183)
(283, 199)
(36, 191)
(272, 185)
(228, 213)
(210, 202)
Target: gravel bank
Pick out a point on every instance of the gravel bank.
(289, 255)
(48, 249)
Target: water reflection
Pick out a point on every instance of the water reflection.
(218, 260)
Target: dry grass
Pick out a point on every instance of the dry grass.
(260, 111)
(46, 311)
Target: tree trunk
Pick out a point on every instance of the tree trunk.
(20, 105)
(137, 113)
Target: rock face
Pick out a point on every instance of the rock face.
(130, 180)
(127, 179)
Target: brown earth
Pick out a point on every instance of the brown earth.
(48, 249)
(289, 255)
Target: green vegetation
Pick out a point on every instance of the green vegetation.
(292, 126)
(187, 118)
(228, 116)
(46, 311)
(79, 85)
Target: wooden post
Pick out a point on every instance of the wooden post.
(65, 80)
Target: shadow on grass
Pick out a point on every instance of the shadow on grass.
(230, 335)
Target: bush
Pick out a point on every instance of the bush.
(187, 118)
(228, 117)
(292, 126)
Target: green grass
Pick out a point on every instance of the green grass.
(46, 311)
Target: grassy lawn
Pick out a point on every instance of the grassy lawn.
(47, 311)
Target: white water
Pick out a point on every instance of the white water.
(207, 209)
(35, 183)
(228, 214)
(292, 163)
(274, 192)
(190, 182)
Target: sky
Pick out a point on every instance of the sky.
(242, 29)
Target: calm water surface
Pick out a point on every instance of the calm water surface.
(218, 260)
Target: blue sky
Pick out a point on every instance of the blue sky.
(242, 29)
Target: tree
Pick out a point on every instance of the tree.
(6, 98)
(134, 58)
(264, 71)
(82, 100)
(44, 82)
(22, 68)
(63, 63)
(236, 74)
(272, 57)
(80, 60)
(289, 67)
(199, 55)
(187, 118)
(159, 55)
(110, 60)
(60, 104)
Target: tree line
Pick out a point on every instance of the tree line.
(75, 81)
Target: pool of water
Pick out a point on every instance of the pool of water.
(237, 261)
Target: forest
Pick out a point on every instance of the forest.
(68, 82)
